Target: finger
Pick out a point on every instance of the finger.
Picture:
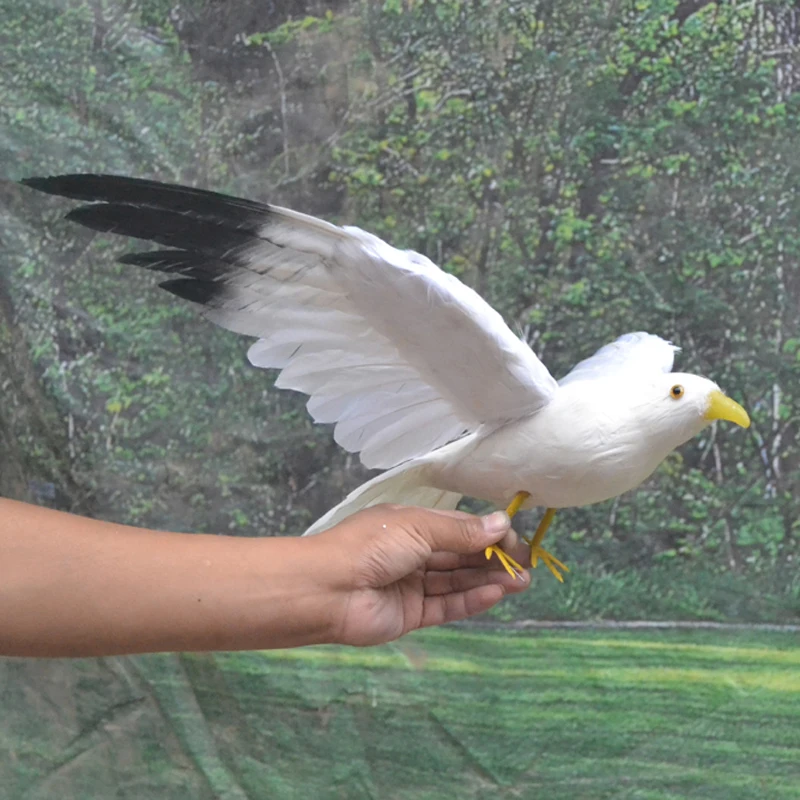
(511, 544)
(439, 609)
(456, 532)
(461, 580)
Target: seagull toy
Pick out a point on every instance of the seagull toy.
(418, 373)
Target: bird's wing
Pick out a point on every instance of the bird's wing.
(400, 355)
(631, 354)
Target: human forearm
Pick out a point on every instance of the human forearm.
(71, 586)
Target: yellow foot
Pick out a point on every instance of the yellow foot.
(549, 560)
(512, 567)
(537, 551)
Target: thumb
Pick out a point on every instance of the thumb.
(457, 532)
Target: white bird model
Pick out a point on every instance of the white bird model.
(419, 374)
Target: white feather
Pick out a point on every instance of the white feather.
(629, 355)
(404, 485)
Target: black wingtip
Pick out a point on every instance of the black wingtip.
(46, 185)
(94, 188)
(78, 186)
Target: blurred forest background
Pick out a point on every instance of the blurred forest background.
(591, 168)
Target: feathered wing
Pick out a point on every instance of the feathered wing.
(631, 354)
(405, 484)
(401, 356)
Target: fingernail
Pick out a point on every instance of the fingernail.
(497, 522)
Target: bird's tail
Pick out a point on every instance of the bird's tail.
(405, 485)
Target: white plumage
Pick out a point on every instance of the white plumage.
(394, 351)
(416, 371)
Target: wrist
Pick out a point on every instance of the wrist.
(294, 593)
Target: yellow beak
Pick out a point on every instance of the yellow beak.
(722, 407)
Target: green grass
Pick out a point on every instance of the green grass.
(448, 713)
(452, 713)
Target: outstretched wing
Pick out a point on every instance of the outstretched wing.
(631, 354)
(400, 355)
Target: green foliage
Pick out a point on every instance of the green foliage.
(594, 174)
(161, 406)
(589, 168)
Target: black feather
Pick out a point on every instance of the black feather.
(212, 232)
(140, 192)
(205, 293)
(191, 265)
(161, 260)
(162, 226)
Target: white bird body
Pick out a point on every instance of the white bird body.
(587, 445)
(418, 373)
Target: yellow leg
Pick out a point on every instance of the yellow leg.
(516, 503)
(537, 551)
(512, 567)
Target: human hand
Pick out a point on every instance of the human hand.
(396, 569)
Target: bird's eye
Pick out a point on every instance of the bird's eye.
(676, 392)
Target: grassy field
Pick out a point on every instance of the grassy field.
(450, 713)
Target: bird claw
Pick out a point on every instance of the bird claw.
(549, 560)
(511, 566)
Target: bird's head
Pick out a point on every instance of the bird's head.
(680, 405)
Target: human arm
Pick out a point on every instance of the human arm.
(71, 586)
